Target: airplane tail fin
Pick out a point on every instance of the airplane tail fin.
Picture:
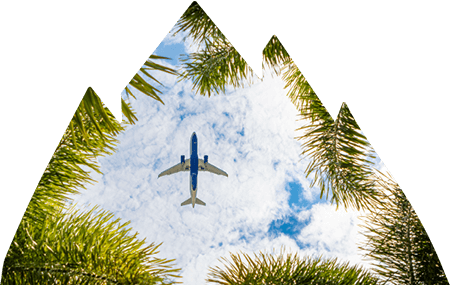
(199, 202)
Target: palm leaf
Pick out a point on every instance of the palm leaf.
(338, 154)
(91, 104)
(83, 247)
(284, 268)
(91, 133)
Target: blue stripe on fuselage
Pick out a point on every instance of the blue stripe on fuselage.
(194, 161)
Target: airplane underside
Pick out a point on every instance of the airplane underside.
(193, 165)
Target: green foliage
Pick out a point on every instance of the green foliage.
(303, 96)
(201, 27)
(89, 247)
(430, 270)
(218, 64)
(397, 242)
(287, 269)
(276, 57)
(91, 133)
(215, 67)
(337, 152)
(141, 82)
(57, 246)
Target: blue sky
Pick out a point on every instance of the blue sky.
(263, 204)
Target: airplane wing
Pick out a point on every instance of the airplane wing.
(186, 166)
(202, 166)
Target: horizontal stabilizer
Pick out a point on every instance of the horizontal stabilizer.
(199, 202)
(187, 202)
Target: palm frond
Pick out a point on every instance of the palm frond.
(143, 82)
(54, 246)
(201, 28)
(140, 84)
(275, 56)
(91, 133)
(215, 67)
(397, 243)
(338, 154)
(83, 247)
(290, 268)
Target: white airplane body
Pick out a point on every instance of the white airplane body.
(193, 165)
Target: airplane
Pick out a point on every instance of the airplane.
(194, 165)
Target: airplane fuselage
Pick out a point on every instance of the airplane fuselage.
(194, 167)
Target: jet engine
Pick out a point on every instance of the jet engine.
(182, 159)
(206, 159)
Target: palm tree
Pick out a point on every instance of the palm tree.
(56, 244)
(397, 242)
